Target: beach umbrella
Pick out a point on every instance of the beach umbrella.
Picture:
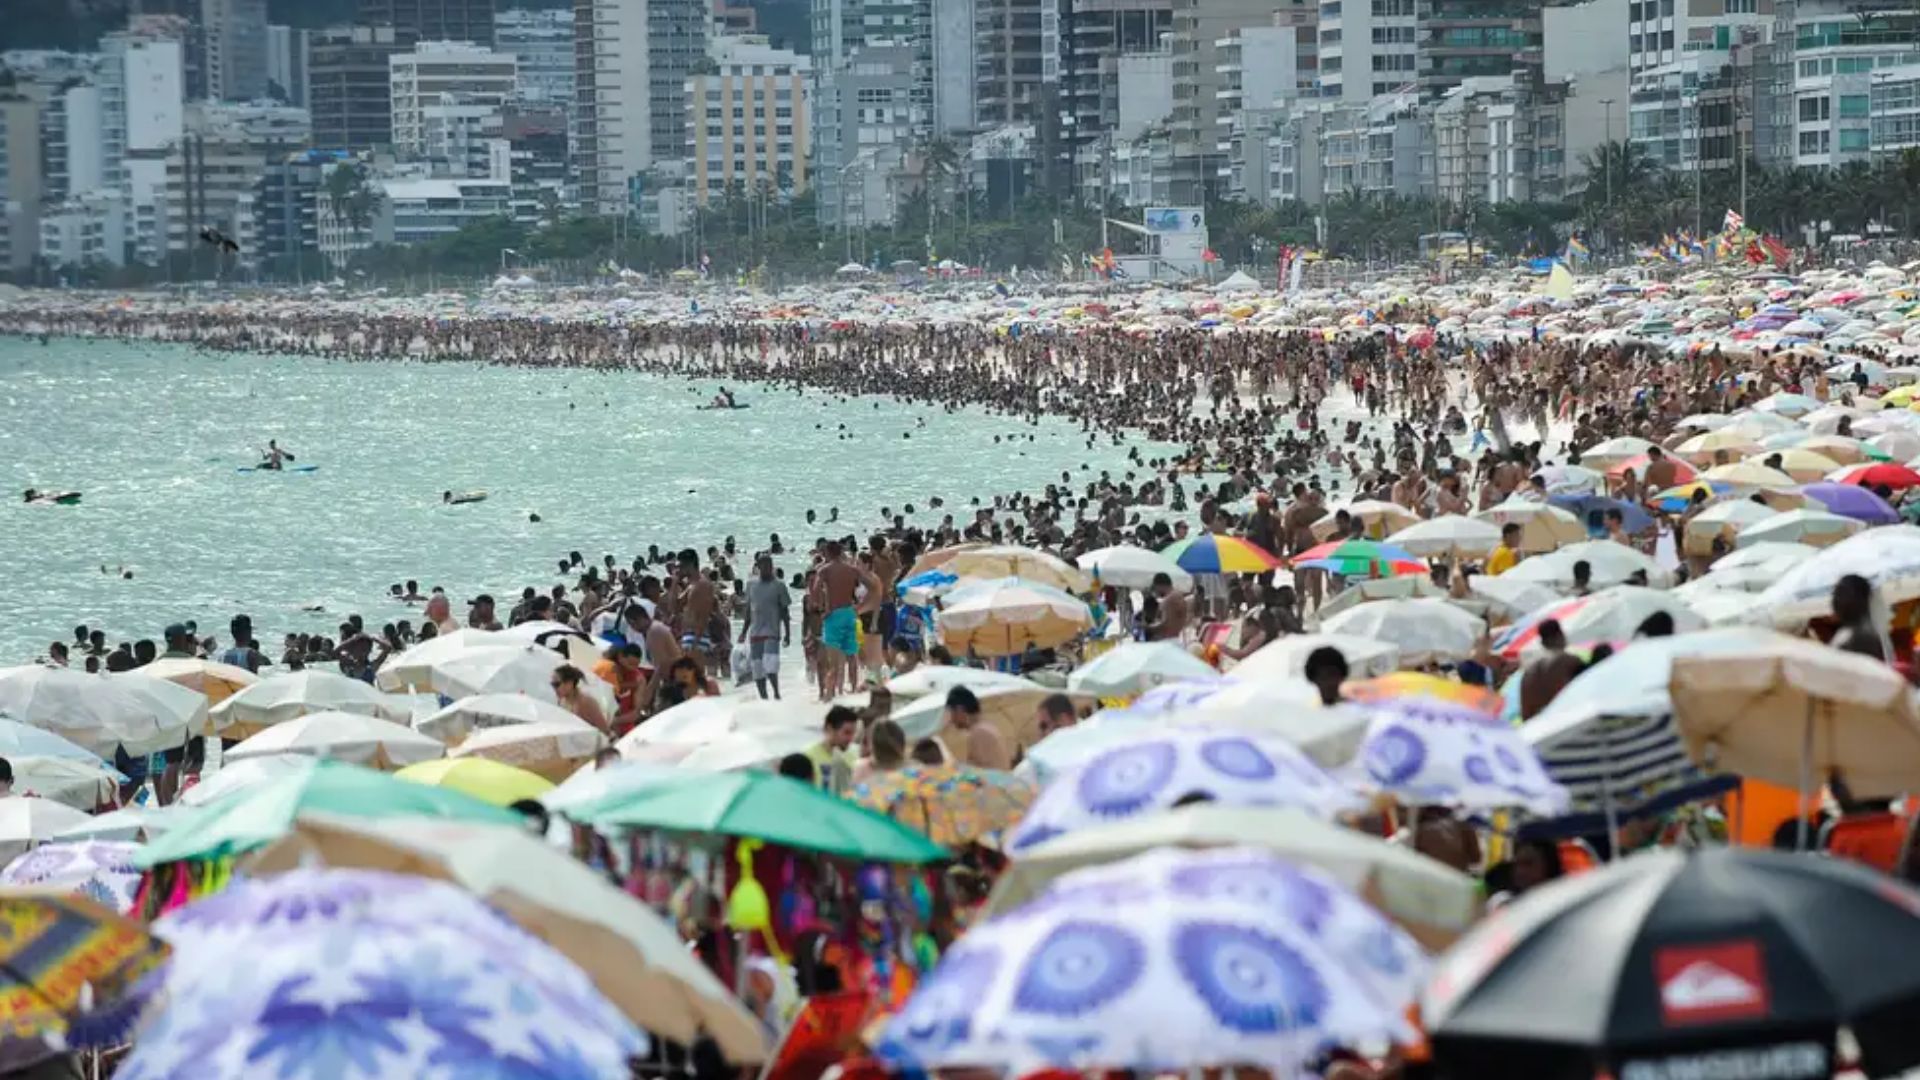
(1632, 517)
(263, 813)
(1887, 557)
(82, 785)
(1608, 562)
(631, 954)
(1543, 527)
(577, 646)
(234, 776)
(1157, 771)
(1357, 591)
(760, 806)
(1760, 424)
(1849, 500)
(102, 713)
(1009, 709)
(1132, 568)
(952, 806)
(1678, 498)
(71, 969)
(1211, 554)
(1288, 708)
(1805, 466)
(923, 589)
(1425, 631)
(294, 694)
(594, 782)
(1813, 528)
(1723, 521)
(1008, 561)
(1840, 448)
(522, 669)
(488, 781)
(937, 679)
(19, 740)
(1286, 658)
(1507, 597)
(1637, 467)
(939, 557)
(352, 737)
(1570, 480)
(97, 870)
(1167, 962)
(702, 720)
(483, 711)
(1002, 618)
(1612, 614)
(1135, 667)
(1360, 559)
(1724, 444)
(1430, 899)
(1748, 475)
(129, 823)
(1615, 451)
(740, 750)
(1881, 474)
(27, 821)
(1377, 516)
(1433, 741)
(412, 670)
(270, 975)
(1793, 712)
(216, 681)
(1902, 445)
(1725, 961)
(549, 748)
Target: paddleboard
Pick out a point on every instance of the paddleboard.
(293, 469)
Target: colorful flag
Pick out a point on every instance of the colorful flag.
(1575, 246)
(1734, 222)
(1209, 256)
(1776, 249)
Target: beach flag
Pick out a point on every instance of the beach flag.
(1560, 282)
(1575, 246)
(1734, 222)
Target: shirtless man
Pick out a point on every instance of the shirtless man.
(1298, 522)
(693, 608)
(1173, 611)
(836, 586)
(878, 625)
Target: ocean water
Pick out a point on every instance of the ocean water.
(153, 436)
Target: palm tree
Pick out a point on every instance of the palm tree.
(1616, 169)
(349, 195)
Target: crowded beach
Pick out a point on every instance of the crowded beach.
(1504, 677)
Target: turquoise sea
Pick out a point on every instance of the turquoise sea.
(153, 436)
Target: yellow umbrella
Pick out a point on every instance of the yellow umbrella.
(1837, 448)
(1705, 448)
(1724, 519)
(1001, 618)
(482, 778)
(1006, 560)
(1804, 465)
(1747, 474)
(217, 681)
(1543, 526)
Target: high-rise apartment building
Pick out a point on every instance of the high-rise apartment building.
(20, 180)
(1198, 28)
(747, 120)
(541, 44)
(1368, 48)
(289, 52)
(1675, 48)
(444, 72)
(350, 86)
(1099, 34)
(1467, 39)
(434, 20)
(236, 48)
(632, 59)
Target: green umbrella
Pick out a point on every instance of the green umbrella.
(260, 815)
(762, 806)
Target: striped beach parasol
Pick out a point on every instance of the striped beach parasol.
(1210, 554)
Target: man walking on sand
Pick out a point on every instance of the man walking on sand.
(836, 588)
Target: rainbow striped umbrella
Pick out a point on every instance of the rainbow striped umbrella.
(1210, 554)
(1361, 558)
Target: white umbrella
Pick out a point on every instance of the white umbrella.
(576, 645)
(363, 740)
(1543, 526)
(294, 694)
(413, 669)
(127, 823)
(1900, 445)
(1136, 667)
(704, 719)
(102, 712)
(1132, 568)
(1605, 455)
(1001, 618)
(1811, 528)
(467, 715)
(77, 784)
(1723, 519)
(1448, 535)
(521, 669)
(1425, 631)
(26, 821)
(1888, 557)
(1376, 515)
(1609, 563)
(242, 775)
(550, 748)
(1011, 561)
(1509, 595)
(1286, 658)
(1368, 590)
(1012, 710)
(216, 681)
(744, 750)
(937, 679)
(1614, 614)
(1287, 709)
(19, 740)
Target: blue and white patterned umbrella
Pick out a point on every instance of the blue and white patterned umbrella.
(1423, 750)
(1170, 961)
(100, 870)
(1180, 764)
(356, 975)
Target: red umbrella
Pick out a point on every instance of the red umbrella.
(1638, 465)
(1883, 474)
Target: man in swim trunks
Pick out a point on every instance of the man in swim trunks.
(878, 625)
(836, 588)
(693, 608)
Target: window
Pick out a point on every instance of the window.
(1666, 40)
(1855, 140)
(1854, 106)
(1743, 7)
(1815, 109)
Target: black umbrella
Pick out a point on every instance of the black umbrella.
(1729, 964)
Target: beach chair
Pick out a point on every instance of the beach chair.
(1879, 840)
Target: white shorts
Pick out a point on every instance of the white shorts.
(765, 657)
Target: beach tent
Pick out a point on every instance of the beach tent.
(1238, 281)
